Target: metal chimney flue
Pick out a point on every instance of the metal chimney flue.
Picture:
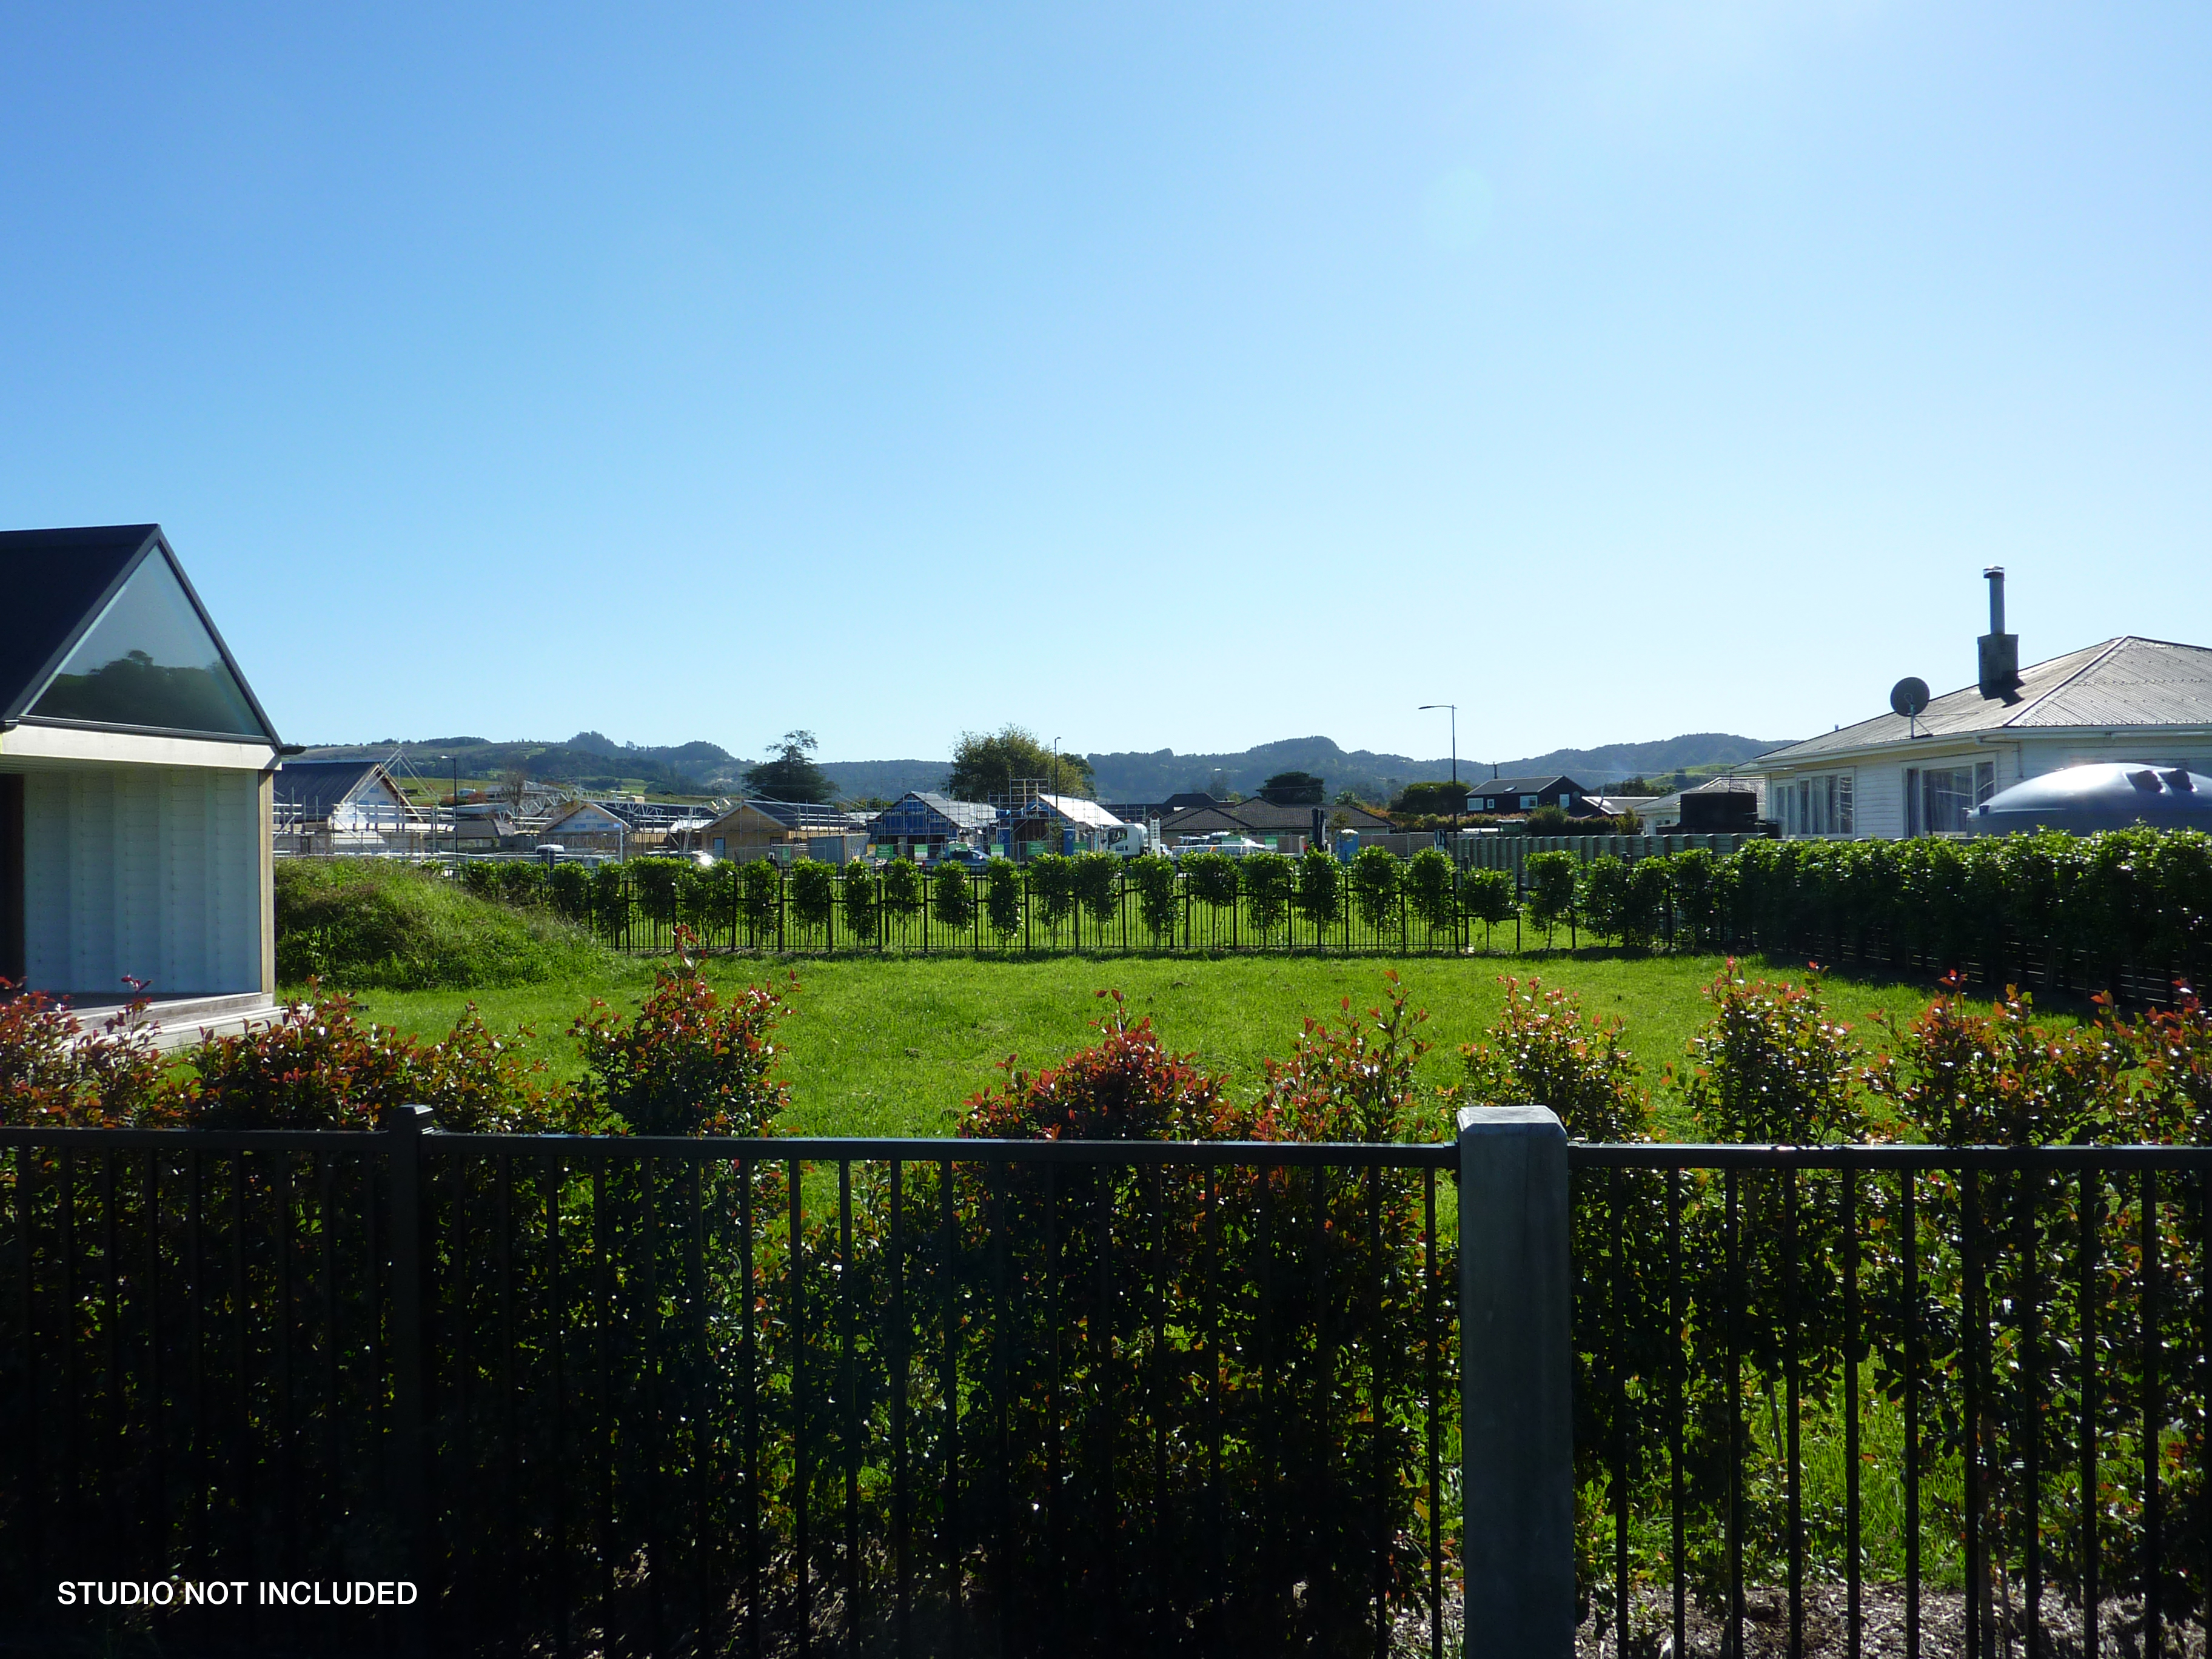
(2000, 651)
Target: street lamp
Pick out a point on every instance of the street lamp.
(1455, 756)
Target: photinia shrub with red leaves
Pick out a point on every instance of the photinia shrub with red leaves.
(316, 1066)
(1773, 1066)
(55, 1071)
(1350, 1083)
(1127, 1087)
(1962, 1079)
(690, 1062)
(1545, 1051)
(1286, 1530)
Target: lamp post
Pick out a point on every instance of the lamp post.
(456, 760)
(1455, 762)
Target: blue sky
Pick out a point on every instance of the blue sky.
(1156, 376)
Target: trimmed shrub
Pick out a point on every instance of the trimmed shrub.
(760, 892)
(1488, 897)
(814, 892)
(1211, 879)
(1962, 1079)
(1773, 1068)
(1375, 878)
(1269, 880)
(1431, 888)
(1351, 1082)
(1095, 880)
(690, 1062)
(1052, 888)
(860, 900)
(1154, 879)
(55, 1073)
(951, 896)
(1127, 1087)
(2172, 1101)
(568, 889)
(1320, 877)
(1545, 1051)
(1551, 890)
(1282, 1526)
(902, 888)
(656, 885)
(1002, 897)
(318, 1066)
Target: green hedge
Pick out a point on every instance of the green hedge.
(2128, 911)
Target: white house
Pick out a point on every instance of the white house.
(1897, 775)
(338, 807)
(135, 783)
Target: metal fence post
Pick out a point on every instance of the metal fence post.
(403, 1127)
(1517, 1416)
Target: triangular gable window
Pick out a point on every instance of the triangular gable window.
(150, 661)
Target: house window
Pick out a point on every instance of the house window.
(1818, 805)
(150, 661)
(1940, 799)
(1528, 803)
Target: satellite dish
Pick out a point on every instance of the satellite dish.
(1909, 696)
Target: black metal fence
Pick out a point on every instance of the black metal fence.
(676, 1396)
(686, 1397)
(1893, 1399)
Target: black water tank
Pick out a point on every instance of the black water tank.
(2115, 795)
(1720, 812)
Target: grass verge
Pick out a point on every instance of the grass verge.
(893, 1047)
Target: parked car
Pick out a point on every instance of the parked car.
(963, 856)
(1221, 841)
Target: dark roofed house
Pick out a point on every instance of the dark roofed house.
(337, 807)
(1272, 824)
(1511, 797)
(136, 784)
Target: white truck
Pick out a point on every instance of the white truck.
(1128, 840)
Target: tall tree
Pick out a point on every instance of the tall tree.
(1294, 789)
(987, 763)
(791, 773)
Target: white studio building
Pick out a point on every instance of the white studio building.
(135, 785)
(1900, 774)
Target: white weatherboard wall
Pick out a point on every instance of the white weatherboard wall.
(145, 871)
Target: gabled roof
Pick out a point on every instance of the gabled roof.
(803, 814)
(61, 584)
(1084, 814)
(960, 814)
(2125, 683)
(1558, 782)
(1269, 818)
(315, 789)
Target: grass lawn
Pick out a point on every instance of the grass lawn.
(893, 1047)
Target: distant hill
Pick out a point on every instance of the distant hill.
(887, 780)
(1137, 776)
(587, 760)
(591, 760)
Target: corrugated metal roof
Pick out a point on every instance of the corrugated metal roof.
(969, 814)
(1086, 814)
(2127, 682)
